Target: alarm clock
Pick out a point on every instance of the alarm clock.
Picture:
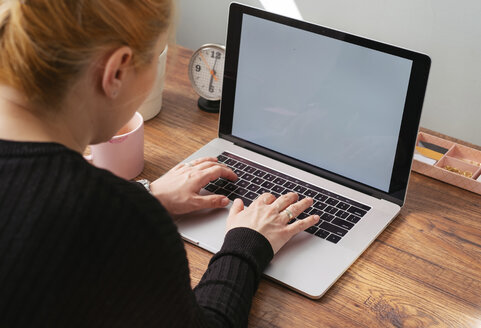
(206, 71)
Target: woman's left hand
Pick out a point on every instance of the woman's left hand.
(178, 190)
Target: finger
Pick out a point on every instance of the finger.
(299, 207)
(215, 172)
(203, 160)
(284, 201)
(211, 201)
(194, 162)
(301, 225)
(178, 166)
(265, 198)
(206, 165)
(237, 206)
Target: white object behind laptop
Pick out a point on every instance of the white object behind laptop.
(327, 108)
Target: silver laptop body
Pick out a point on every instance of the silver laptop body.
(253, 126)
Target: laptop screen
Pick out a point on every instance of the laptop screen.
(326, 102)
(333, 104)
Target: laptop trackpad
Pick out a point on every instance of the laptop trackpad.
(205, 228)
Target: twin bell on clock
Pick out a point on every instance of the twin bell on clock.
(206, 71)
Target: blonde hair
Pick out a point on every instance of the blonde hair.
(46, 44)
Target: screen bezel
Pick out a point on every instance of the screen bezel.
(410, 119)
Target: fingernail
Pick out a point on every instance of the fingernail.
(225, 202)
(317, 217)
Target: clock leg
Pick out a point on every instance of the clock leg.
(208, 105)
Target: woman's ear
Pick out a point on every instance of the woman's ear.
(115, 71)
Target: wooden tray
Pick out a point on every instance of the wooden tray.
(461, 157)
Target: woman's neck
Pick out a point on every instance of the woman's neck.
(21, 121)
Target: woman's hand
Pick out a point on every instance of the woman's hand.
(269, 216)
(178, 189)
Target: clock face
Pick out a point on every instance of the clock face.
(206, 71)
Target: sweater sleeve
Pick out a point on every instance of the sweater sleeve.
(225, 291)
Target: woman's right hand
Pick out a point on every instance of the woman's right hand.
(268, 216)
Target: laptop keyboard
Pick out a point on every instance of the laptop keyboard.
(338, 214)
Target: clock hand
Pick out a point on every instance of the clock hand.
(213, 68)
(212, 75)
(207, 64)
(210, 82)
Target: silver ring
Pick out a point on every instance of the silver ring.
(189, 164)
(289, 214)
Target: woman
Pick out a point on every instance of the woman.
(80, 247)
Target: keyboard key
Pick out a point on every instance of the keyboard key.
(338, 213)
(233, 196)
(342, 214)
(288, 184)
(263, 191)
(276, 195)
(211, 187)
(312, 229)
(310, 193)
(246, 201)
(331, 210)
(319, 205)
(240, 166)
(333, 238)
(279, 181)
(221, 182)
(250, 169)
(267, 185)
(352, 218)
(302, 216)
(222, 191)
(241, 191)
(315, 211)
(230, 162)
(269, 177)
(342, 223)
(248, 177)
(278, 189)
(322, 233)
(231, 187)
(221, 158)
(239, 173)
(257, 181)
(251, 195)
(253, 187)
(321, 197)
(286, 191)
(327, 217)
(333, 228)
(300, 189)
(342, 206)
(259, 173)
(242, 183)
(291, 221)
(300, 197)
(357, 211)
(332, 201)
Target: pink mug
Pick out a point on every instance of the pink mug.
(122, 155)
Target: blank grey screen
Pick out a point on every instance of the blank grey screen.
(326, 102)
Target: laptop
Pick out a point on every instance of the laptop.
(320, 112)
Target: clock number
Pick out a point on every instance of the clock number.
(197, 68)
(211, 89)
(216, 55)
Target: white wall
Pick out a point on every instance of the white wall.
(448, 31)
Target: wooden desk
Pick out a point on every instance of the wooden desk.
(424, 270)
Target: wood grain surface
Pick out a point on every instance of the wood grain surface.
(424, 270)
